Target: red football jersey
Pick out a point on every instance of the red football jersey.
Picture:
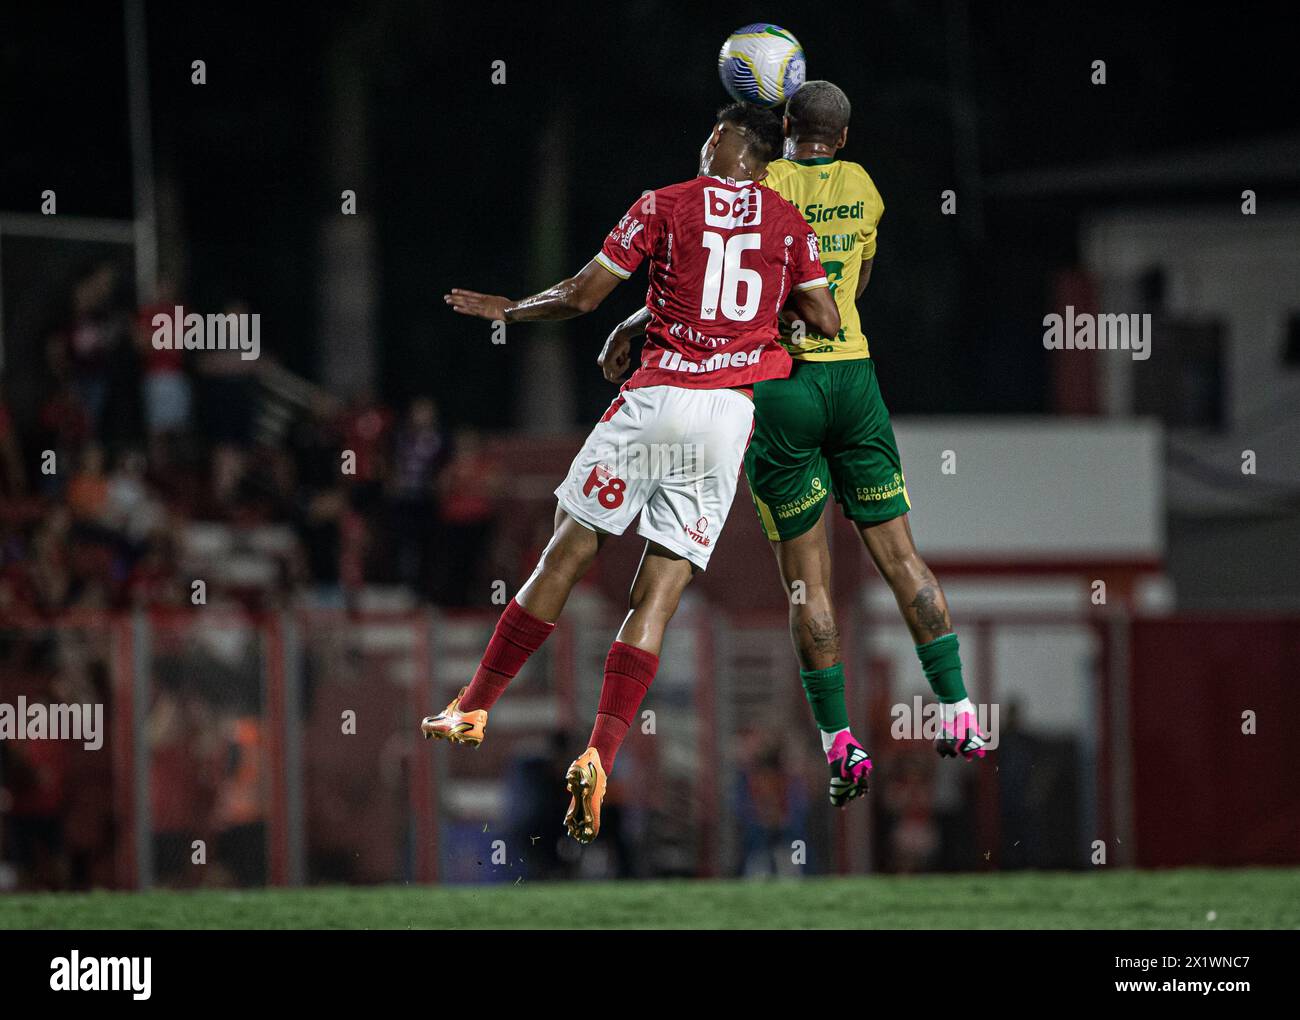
(724, 257)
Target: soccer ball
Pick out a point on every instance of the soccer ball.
(761, 64)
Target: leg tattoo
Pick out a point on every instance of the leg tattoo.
(931, 612)
(818, 638)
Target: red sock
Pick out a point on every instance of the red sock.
(628, 674)
(518, 634)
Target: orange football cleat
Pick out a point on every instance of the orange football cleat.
(586, 781)
(456, 726)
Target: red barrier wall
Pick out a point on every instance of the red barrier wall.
(1205, 792)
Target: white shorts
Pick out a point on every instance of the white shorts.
(670, 454)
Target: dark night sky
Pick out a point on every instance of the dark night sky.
(451, 168)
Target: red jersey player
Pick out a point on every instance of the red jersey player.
(725, 255)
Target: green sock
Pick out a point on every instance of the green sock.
(941, 661)
(824, 689)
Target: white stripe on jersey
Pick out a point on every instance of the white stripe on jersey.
(618, 271)
(821, 281)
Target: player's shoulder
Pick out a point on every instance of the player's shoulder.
(779, 200)
(780, 170)
(682, 188)
(857, 173)
(670, 196)
(772, 182)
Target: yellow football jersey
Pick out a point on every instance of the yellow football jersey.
(840, 202)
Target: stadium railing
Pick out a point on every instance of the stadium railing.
(283, 748)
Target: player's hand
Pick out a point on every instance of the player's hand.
(785, 322)
(470, 302)
(616, 356)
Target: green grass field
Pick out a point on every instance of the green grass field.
(1254, 898)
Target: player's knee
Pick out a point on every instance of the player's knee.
(663, 591)
(898, 562)
(808, 599)
(568, 558)
(891, 546)
(670, 586)
(576, 562)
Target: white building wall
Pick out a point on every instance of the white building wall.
(1243, 270)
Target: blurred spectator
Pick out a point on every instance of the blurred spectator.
(909, 831)
(468, 489)
(166, 387)
(130, 508)
(88, 490)
(367, 425)
(771, 805)
(228, 399)
(44, 582)
(36, 775)
(88, 805)
(154, 578)
(181, 789)
(240, 818)
(417, 455)
(93, 332)
(65, 428)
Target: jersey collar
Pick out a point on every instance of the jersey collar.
(815, 161)
(732, 183)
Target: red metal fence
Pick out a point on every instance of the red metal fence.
(283, 748)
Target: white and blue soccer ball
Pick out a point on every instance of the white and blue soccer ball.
(761, 64)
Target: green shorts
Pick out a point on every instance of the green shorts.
(824, 429)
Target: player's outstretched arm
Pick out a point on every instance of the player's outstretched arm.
(577, 295)
(817, 308)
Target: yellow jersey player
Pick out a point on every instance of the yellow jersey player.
(841, 203)
(826, 430)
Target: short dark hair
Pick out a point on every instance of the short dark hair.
(818, 112)
(761, 128)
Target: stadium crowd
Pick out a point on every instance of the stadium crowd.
(127, 474)
(133, 455)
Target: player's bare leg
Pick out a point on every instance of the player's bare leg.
(565, 561)
(921, 600)
(805, 564)
(527, 621)
(917, 591)
(656, 592)
(806, 561)
(629, 670)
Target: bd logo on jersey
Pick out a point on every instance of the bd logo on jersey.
(731, 209)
